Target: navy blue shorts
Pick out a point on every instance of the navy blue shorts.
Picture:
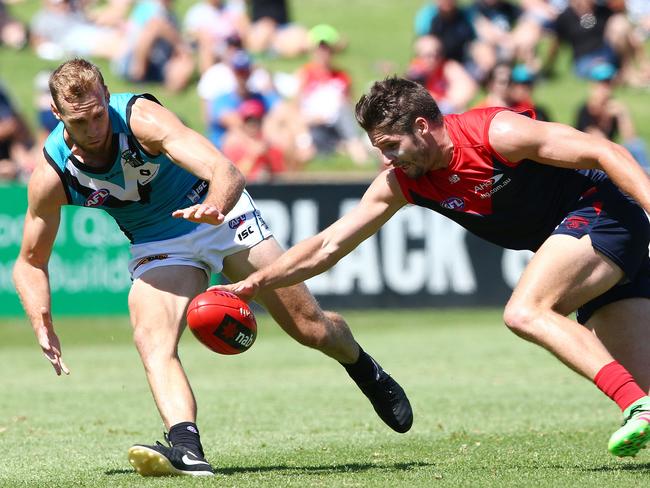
(619, 229)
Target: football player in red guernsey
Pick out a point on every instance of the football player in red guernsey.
(521, 184)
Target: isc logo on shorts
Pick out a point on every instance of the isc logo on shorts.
(247, 232)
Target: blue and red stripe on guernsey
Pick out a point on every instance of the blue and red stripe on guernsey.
(512, 204)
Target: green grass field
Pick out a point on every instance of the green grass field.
(490, 410)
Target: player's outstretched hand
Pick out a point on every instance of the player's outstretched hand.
(50, 344)
(245, 289)
(201, 212)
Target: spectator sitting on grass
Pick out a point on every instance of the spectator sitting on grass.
(60, 28)
(13, 33)
(220, 78)
(449, 83)
(497, 85)
(604, 116)
(249, 149)
(223, 111)
(15, 142)
(210, 24)
(271, 30)
(520, 93)
(324, 98)
(155, 49)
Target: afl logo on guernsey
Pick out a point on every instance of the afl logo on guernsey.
(453, 203)
(96, 198)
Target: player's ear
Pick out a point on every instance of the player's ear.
(55, 111)
(421, 125)
(108, 94)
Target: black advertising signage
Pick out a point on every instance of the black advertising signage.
(418, 259)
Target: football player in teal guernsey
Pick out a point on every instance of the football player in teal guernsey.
(184, 208)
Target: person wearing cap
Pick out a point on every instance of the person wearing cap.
(606, 117)
(324, 97)
(520, 93)
(223, 112)
(248, 148)
(220, 78)
(512, 87)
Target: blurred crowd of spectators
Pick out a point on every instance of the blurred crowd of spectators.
(480, 53)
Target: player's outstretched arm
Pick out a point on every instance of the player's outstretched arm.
(319, 253)
(30, 274)
(517, 137)
(160, 131)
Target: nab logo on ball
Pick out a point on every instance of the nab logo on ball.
(234, 333)
(222, 322)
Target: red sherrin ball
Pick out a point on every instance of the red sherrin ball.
(222, 321)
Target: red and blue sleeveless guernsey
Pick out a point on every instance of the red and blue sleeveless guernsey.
(515, 205)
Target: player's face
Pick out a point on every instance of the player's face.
(87, 121)
(409, 152)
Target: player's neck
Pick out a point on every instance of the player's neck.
(92, 158)
(445, 148)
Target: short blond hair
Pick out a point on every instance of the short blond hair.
(73, 80)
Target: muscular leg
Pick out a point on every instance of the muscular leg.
(157, 304)
(297, 312)
(294, 308)
(564, 274)
(623, 328)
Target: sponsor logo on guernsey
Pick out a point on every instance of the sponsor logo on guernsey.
(490, 186)
(131, 158)
(195, 194)
(489, 183)
(148, 259)
(96, 198)
(453, 203)
(237, 221)
(454, 178)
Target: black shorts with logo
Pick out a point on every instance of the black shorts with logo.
(619, 229)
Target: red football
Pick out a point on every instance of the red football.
(222, 321)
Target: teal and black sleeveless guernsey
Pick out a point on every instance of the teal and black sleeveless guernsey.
(139, 190)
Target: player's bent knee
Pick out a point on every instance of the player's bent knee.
(520, 319)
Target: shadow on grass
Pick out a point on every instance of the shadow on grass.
(644, 467)
(340, 468)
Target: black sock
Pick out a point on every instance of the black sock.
(363, 370)
(186, 434)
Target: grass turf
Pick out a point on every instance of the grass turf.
(490, 410)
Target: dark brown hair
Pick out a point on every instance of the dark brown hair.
(395, 103)
(73, 80)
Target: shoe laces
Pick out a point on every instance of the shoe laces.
(636, 410)
(166, 437)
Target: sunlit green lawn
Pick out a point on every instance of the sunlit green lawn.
(490, 410)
